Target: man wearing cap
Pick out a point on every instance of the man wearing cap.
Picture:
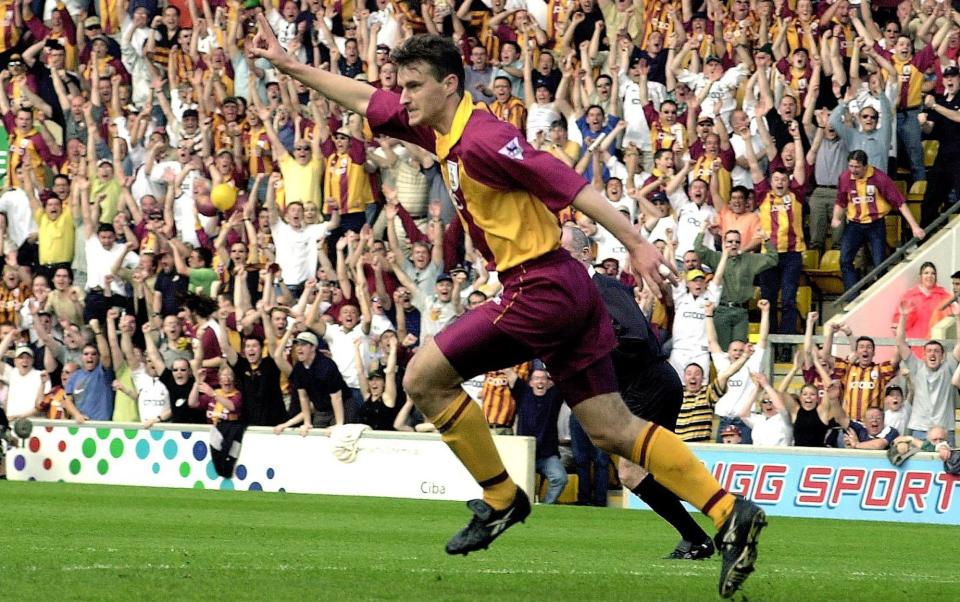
(689, 323)
(438, 309)
(26, 385)
(346, 185)
(318, 386)
(942, 122)
(730, 435)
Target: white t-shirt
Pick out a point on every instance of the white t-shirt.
(297, 249)
(689, 322)
(342, 348)
(740, 176)
(20, 222)
(770, 431)
(690, 220)
(100, 261)
(898, 419)
(740, 389)
(608, 246)
(473, 387)
(637, 130)
(22, 392)
(154, 398)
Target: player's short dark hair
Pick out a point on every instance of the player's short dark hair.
(662, 152)
(933, 342)
(559, 123)
(859, 156)
(205, 255)
(867, 339)
(106, 228)
(741, 189)
(956, 275)
(504, 78)
(441, 54)
(602, 112)
(670, 101)
(604, 76)
(511, 43)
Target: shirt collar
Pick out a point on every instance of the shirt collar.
(447, 141)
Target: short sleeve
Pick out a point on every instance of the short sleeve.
(498, 155)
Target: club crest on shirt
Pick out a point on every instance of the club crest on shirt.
(453, 170)
(512, 149)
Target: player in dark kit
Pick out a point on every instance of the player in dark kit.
(650, 388)
(506, 192)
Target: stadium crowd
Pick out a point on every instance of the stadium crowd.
(191, 236)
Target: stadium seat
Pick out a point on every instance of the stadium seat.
(804, 300)
(901, 186)
(917, 190)
(915, 209)
(892, 224)
(826, 279)
(930, 150)
(811, 259)
(569, 494)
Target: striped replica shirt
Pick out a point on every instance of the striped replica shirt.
(344, 179)
(9, 32)
(870, 198)
(256, 144)
(911, 74)
(505, 191)
(863, 387)
(781, 217)
(512, 111)
(32, 147)
(695, 422)
(499, 406)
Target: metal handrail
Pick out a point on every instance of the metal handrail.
(852, 292)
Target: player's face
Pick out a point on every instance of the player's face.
(349, 316)
(778, 182)
(252, 350)
(857, 169)
(444, 289)
(893, 401)
(539, 381)
(423, 96)
(735, 350)
(501, 89)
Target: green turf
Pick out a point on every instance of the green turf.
(65, 541)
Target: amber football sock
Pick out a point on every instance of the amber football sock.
(463, 428)
(674, 466)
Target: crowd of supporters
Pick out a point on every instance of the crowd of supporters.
(189, 235)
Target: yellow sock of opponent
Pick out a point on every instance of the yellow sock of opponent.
(672, 463)
(465, 430)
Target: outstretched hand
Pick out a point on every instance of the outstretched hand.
(265, 43)
(656, 271)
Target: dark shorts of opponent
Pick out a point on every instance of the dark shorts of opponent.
(654, 393)
(549, 309)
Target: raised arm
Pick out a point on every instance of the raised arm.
(349, 93)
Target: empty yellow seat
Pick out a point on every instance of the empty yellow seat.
(901, 186)
(892, 224)
(811, 259)
(930, 150)
(804, 300)
(917, 191)
(830, 262)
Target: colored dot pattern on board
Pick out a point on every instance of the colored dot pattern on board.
(19, 463)
(211, 471)
(74, 466)
(156, 435)
(47, 464)
(170, 449)
(186, 434)
(34, 444)
(255, 486)
(241, 472)
(116, 448)
(89, 447)
(130, 434)
(199, 451)
(227, 485)
(73, 430)
(62, 446)
(270, 473)
(103, 433)
(155, 468)
(184, 469)
(143, 449)
(103, 466)
(198, 485)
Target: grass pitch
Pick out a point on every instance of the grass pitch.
(65, 541)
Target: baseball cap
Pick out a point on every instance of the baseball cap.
(444, 277)
(21, 349)
(659, 197)
(458, 269)
(90, 22)
(694, 274)
(15, 59)
(730, 429)
(705, 119)
(766, 49)
(893, 388)
(307, 337)
(712, 59)
(951, 71)
(249, 4)
(343, 131)
(100, 38)
(377, 374)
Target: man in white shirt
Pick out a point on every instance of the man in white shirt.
(104, 256)
(692, 216)
(689, 324)
(26, 385)
(723, 84)
(740, 387)
(296, 244)
(352, 325)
